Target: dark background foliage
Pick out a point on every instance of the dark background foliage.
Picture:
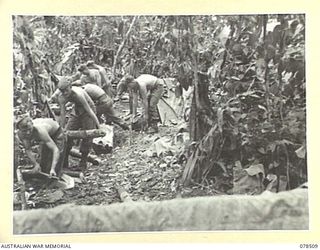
(248, 75)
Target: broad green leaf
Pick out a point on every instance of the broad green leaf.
(285, 141)
(262, 107)
(255, 169)
(273, 182)
(221, 165)
(235, 78)
(301, 152)
(220, 119)
(238, 164)
(261, 150)
(224, 34)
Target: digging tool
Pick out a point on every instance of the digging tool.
(64, 182)
(32, 171)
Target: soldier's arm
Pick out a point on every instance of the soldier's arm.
(54, 96)
(133, 95)
(27, 145)
(62, 103)
(130, 102)
(31, 156)
(120, 89)
(104, 77)
(144, 98)
(46, 139)
(83, 80)
(87, 108)
(106, 84)
(76, 76)
(98, 79)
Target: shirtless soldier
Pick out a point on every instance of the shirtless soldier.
(104, 104)
(89, 75)
(83, 116)
(49, 134)
(105, 82)
(141, 86)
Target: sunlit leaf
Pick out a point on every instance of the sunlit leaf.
(272, 147)
(261, 150)
(235, 78)
(224, 34)
(301, 152)
(221, 165)
(220, 119)
(255, 169)
(262, 107)
(285, 141)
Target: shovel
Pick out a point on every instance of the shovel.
(64, 182)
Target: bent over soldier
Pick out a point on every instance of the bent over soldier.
(82, 117)
(150, 89)
(50, 136)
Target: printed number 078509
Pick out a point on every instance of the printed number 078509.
(307, 246)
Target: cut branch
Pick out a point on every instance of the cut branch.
(124, 195)
(83, 134)
(91, 158)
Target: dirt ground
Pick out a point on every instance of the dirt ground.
(130, 165)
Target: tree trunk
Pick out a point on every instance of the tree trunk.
(91, 158)
(116, 58)
(201, 122)
(201, 112)
(201, 115)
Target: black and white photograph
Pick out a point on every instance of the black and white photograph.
(153, 123)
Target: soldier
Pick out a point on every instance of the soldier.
(104, 105)
(105, 82)
(89, 75)
(141, 86)
(49, 134)
(83, 116)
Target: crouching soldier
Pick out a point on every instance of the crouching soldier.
(104, 105)
(105, 82)
(49, 135)
(150, 89)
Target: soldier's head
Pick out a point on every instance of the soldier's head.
(64, 86)
(123, 84)
(83, 69)
(24, 124)
(90, 63)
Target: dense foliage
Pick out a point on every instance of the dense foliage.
(248, 75)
